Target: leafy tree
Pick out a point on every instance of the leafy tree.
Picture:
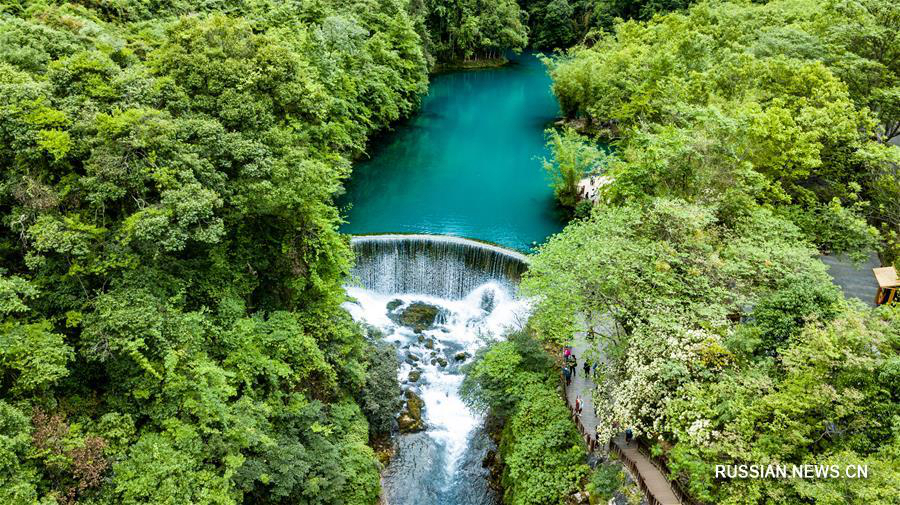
(381, 396)
(170, 269)
(719, 341)
(552, 24)
(467, 30)
(723, 93)
(543, 459)
(573, 158)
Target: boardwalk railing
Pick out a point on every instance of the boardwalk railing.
(664, 469)
(589, 435)
(632, 467)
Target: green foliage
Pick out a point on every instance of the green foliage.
(836, 228)
(606, 479)
(466, 30)
(797, 301)
(608, 10)
(543, 459)
(681, 369)
(170, 294)
(552, 24)
(574, 157)
(832, 402)
(724, 339)
(786, 102)
(558, 24)
(380, 398)
(18, 479)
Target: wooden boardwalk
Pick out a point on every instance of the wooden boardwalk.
(652, 480)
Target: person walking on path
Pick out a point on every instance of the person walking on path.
(587, 369)
(578, 404)
(573, 363)
(568, 375)
(629, 436)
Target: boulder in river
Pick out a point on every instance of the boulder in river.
(415, 375)
(410, 420)
(461, 356)
(419, 316)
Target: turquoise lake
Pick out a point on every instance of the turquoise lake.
(467, 164)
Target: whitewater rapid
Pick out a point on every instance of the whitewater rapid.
(441, 465)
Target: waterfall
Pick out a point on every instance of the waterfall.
(471, 288)
(443, 266)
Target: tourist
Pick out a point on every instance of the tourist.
(629, 435)
(578, 404)
(567, 351)
(573, 362)
(568, 375)
(587, 369)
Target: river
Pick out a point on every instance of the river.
(467, 165)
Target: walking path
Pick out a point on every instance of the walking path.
(651, 479)
(855, 280)
(653, 482)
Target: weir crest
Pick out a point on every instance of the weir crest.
(436, 265)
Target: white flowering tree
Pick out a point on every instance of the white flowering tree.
(720, 349)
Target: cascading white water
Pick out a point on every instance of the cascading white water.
(449, 267)
(441, 465)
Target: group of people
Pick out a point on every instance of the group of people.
(571, 365)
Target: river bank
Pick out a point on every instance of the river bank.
(476, 64)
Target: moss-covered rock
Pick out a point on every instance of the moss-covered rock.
(410, 420)
(419, 316)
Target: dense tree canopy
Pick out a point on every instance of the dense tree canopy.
(729, 91)
(542, 455)
(170, 268)
(464, 30)
(743, 146)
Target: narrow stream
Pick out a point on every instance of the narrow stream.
(441, 465)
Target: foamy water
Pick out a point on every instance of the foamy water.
(464, 325)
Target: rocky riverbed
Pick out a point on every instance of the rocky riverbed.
(438, 456)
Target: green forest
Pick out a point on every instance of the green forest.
(748, 137)
(171, 270)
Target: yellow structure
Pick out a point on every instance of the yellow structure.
(888, 285)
